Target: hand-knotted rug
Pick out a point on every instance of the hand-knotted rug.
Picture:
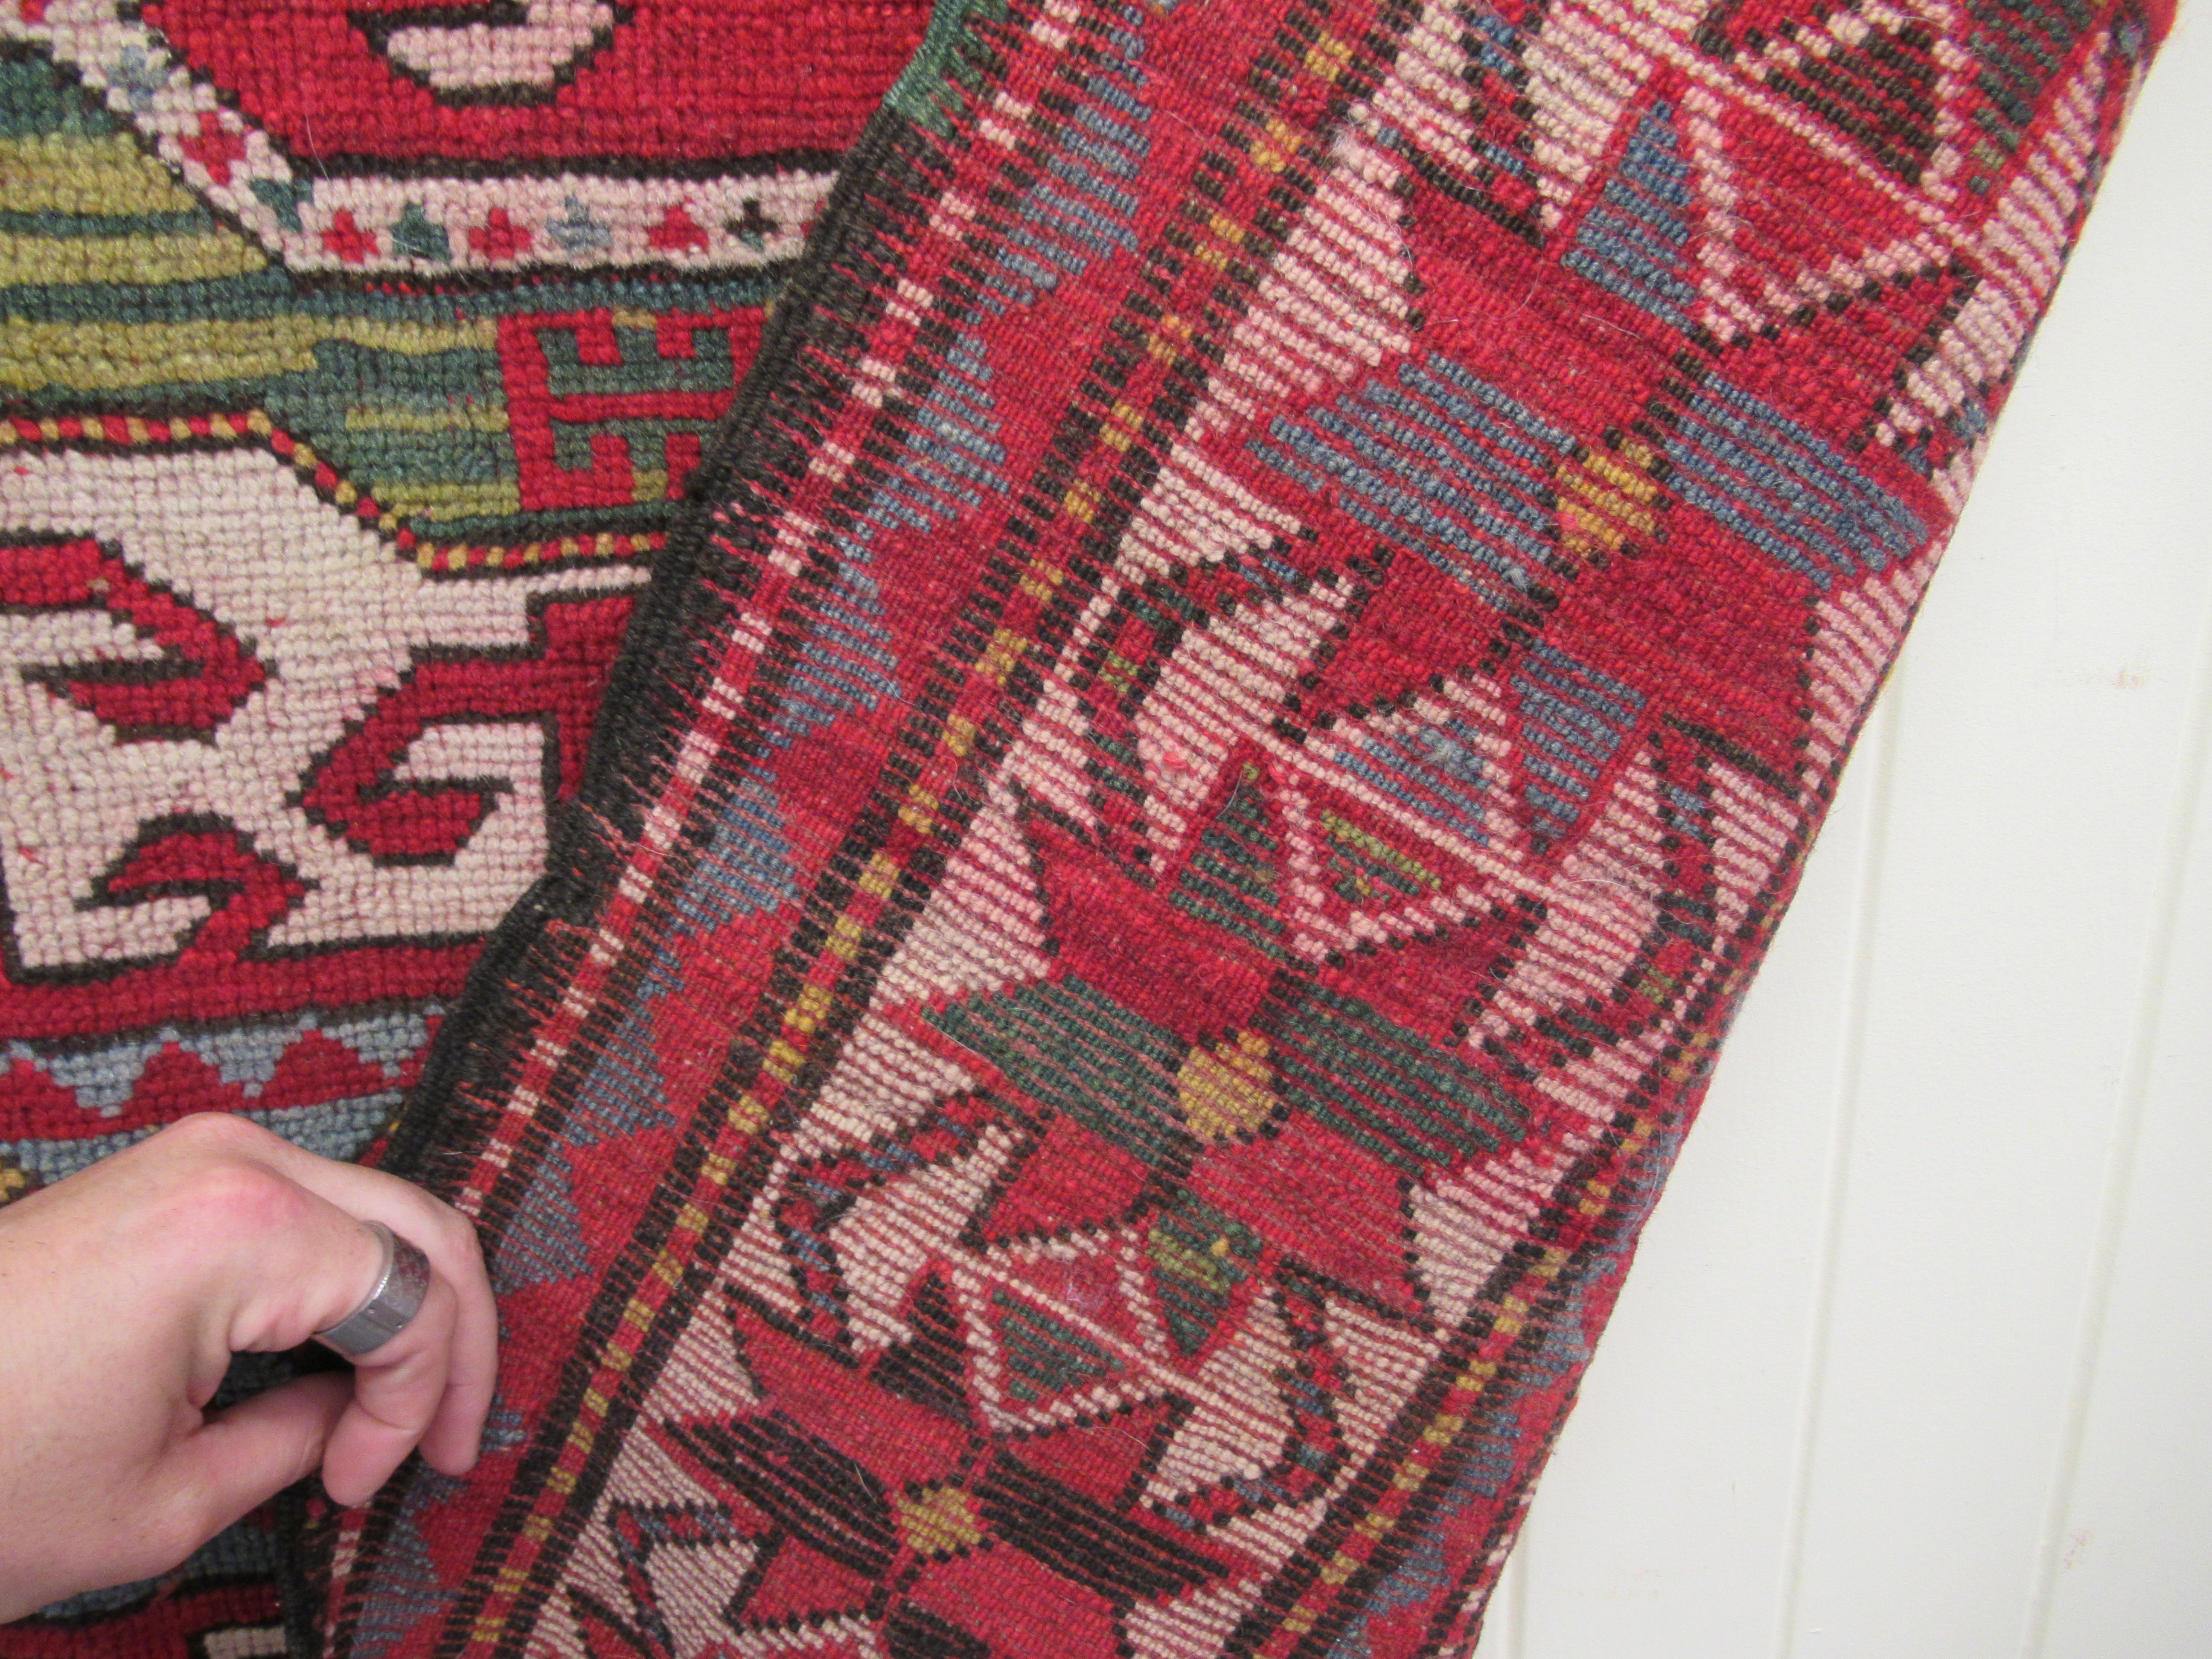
(1172, 846)
(354, 357)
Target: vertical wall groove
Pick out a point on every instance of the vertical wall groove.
(2190, 778)
(1877, 746)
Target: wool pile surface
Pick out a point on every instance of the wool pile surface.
(354, 360)
(1173, 843)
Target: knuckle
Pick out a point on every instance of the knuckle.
(212, 1134)
(461, 1232)
(443, 1229)
(239, 1198)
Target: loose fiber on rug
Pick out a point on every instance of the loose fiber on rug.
(1173, 843)
(354, 359)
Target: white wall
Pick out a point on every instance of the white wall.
(1916, 1360)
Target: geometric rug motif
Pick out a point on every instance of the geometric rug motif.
(1286, 599)
(355, 360)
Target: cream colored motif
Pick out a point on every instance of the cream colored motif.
(335, 619)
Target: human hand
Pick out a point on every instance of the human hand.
(124, 1291)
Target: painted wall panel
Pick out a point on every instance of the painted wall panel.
(2127, 1567)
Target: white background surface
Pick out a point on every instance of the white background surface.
(1916, 1359)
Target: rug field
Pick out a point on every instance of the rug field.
(353, 368)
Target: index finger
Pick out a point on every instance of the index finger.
(401, 1389)
(459, 1304)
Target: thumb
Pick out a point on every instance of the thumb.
(244, 1455)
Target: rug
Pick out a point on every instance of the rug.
(354, 360)
(1173, 844)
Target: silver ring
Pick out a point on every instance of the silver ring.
(391, 1307)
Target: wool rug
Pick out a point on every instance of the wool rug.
(1173, 843)
(355, 358)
